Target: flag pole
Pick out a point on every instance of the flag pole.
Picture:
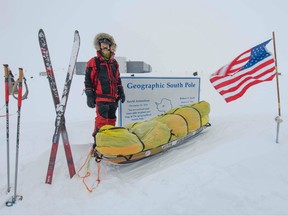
(278, 118)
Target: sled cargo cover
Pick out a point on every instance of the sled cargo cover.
(151, 133)
(176, 123)
(117, 141)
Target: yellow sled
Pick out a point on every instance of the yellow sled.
(140, 140)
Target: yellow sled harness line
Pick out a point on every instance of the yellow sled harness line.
(134, 141)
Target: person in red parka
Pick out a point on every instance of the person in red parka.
(103, 85)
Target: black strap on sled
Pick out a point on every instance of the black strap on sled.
(201, 124)
(143, 145)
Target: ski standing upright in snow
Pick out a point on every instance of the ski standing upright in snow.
(60, 106)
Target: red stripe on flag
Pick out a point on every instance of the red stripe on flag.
(237, 61)
(234, 88)
(236, 96)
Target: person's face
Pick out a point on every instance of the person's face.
(105, 48)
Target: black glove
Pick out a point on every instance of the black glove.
(91, 97)
(121, 94)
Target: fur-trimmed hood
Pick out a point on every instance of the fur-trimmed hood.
(104, 35)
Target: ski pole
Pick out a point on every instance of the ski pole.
(6, 71)
(10, 203)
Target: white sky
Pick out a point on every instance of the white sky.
(178, 36)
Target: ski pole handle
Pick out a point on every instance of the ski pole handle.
(20, 87)
(6, 72)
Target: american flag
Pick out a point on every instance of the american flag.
(253, 66)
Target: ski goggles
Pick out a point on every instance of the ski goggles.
(106, 41)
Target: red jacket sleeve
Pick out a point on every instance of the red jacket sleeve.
(90, 74)
(118, 78)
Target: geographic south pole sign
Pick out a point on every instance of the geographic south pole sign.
(147, 97)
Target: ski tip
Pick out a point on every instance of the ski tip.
(41, 32)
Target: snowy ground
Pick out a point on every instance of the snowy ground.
(233, 168)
